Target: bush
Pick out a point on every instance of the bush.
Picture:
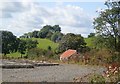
(97, 79)
(37, 52)
(101, 56)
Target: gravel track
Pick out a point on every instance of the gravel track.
(61, 73)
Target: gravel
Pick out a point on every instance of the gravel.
(61, 73)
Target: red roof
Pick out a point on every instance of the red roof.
(68, 53)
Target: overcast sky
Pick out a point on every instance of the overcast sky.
(73, 17)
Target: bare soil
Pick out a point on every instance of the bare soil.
(60, 73)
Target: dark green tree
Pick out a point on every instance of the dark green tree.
(56, 37)
(91, 35)
(44, 31)
(22, 47)
(31, 43)
(71, 41)
(56, 28)
(9, 42)
(25, 36)
(35, 34)
(48, 30)
(49, 34)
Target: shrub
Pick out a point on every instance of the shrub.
(101, 56)
(36, 52)
(97, 79)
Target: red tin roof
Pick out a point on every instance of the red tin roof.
(68, 53)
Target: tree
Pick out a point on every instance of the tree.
(25, 36)
(71, 41)
(91, 35)
(44, 31)
(48, 30)
(106, 24)
(31, 44)
(100, 42)
(56, 37)
(9, 42)
(35, 34)
(56, 28)
(22, 47)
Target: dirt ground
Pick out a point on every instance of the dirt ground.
(60, 73)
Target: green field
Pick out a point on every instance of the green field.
(42, 43)
(15, 55)
(90, 42)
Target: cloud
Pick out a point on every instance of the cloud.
(9, 8)
(29, 16)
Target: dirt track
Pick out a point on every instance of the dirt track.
(61, 73)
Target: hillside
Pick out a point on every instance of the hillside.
(42, 43)
(90, 42)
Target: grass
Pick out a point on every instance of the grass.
(90, 42)
(42, 43)
(15, 55)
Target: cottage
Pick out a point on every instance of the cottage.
(69, 55)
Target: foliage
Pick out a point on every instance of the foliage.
(35, 34)
(97, 79)
(22, 47)
(71, 41)
(56, 37)
(26, 44)
(104, 55)
(91, 35)
(106, 24)
(50, 32)
(90, 42)
(31, 43)
(37, 52)
(44, 31)
(9, 42)
(14, 55)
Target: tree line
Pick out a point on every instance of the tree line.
(10, 43)
(50, 32)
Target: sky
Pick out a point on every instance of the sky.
(20, 17)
